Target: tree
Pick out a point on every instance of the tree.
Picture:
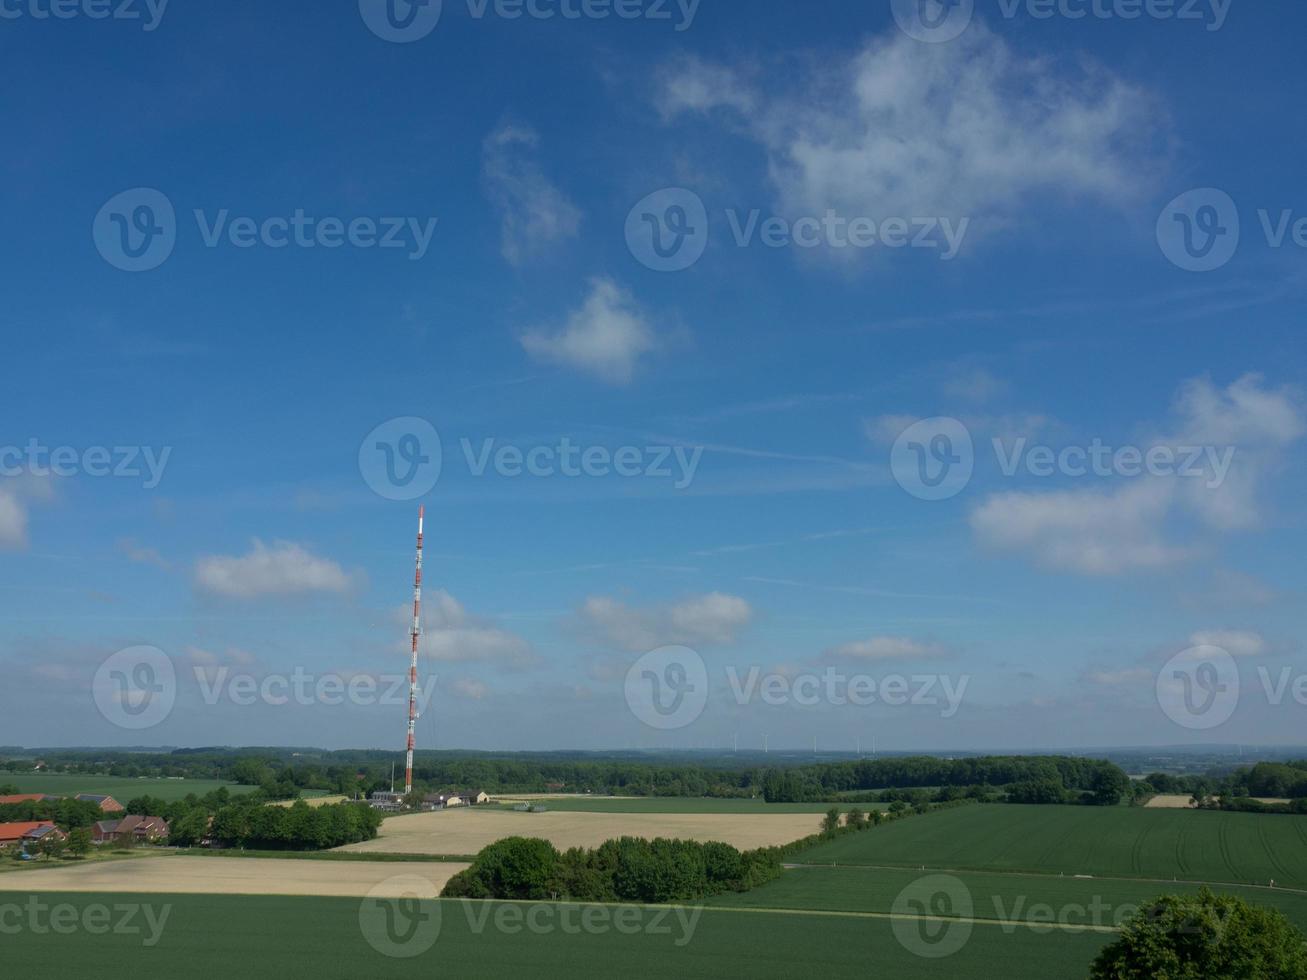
(855, 819)
(79, 842)
(831, 821)
(1198, 937)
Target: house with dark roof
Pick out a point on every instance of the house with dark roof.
(143, 830)
(27, 832)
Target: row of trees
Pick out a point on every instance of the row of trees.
(628, 869)
(1025, 779)
(1275, 779)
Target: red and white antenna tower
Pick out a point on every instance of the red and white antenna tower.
(413, 665)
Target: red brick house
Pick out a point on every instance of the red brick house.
(144, 830)
(107, 803)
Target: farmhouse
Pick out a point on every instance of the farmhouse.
(442, 801)
(22, 798)
(145, 830)
(29, 832)
(107, 803)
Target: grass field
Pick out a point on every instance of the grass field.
(991, 896)
(1130, 842)
(257, 937)
(660, 804)
(120, 788)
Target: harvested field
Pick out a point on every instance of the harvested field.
(216, 876)
(468, 830)
(1166, 801)
(314, 801)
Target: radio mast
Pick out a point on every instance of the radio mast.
(413, 664)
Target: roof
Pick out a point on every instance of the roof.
(36, 833)
(17, 831)
(22, 798)
(107, 826)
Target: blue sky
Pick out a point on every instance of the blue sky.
(758, 390)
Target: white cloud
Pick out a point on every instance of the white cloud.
(1126, 677)
(285, 568)
(452, 635)
(974, 385)
(468, 688)
(605, 338)
(137, 552)
(965, 129)
(13, 521)
(888, 648)
(1238, 643)
(1094, 532)
(1245, 426)
(711, 619)
(534, 213)
(1259, 423)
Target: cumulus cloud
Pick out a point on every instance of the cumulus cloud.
(605, 338)
(282, 569)
(1257, 422)
(711, 619)
(966, 129)
(450, 634)
(1225, 442)
(888, 648)
(534, 213)
(1238, 643)
(1094, 532)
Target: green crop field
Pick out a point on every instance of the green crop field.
(258, 937)
(677, 804)
(1130, 842)
(1002, 897)
(120, 788)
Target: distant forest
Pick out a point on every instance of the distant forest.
(284, 773)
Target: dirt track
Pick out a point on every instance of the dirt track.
(183, 874)
(467, 830)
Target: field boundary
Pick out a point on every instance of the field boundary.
(1045, 874)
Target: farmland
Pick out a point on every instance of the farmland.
(1129, 842)
(173, 874)
(666, 804)
(990, 896)
(220, 936)
(120, 788)
(467, 830)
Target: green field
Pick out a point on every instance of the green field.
(120, 788)
(255, 937)
(1001, 897)
(678, 804)
(1128, 842)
